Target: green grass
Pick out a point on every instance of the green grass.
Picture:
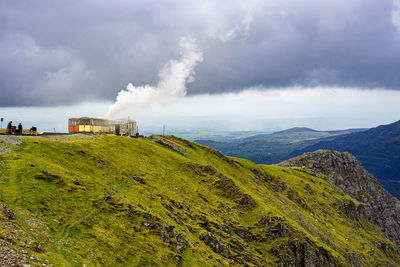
(88, 206)
(3, 130)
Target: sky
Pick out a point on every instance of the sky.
(247, 65)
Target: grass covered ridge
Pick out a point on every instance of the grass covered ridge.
(120, 201)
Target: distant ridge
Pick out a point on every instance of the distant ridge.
(275, 147)
(297, 130)
(346, 131)
(302, 133)
(306, 129)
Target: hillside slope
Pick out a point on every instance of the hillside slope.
(378, 149)
(117, 201)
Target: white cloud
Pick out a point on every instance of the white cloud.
(245, 43)
(396, 14)
(241, 29)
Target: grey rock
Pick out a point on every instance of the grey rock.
(171, 146)
(216, 245)
(276, 225)
(138, 179)
(11, 140)
(10, 215)
(150, 217)
(229, 189)
(346, 172)
(178, 258)
(181, 246)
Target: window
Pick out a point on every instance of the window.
(73, 122)
(84, 121)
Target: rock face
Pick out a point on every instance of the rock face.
(378, 149)
(10, 215)
(216, 245)
(228, 188)
(346, 172)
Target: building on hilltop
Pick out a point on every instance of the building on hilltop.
(124, 127)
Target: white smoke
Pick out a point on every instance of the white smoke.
(171, 86)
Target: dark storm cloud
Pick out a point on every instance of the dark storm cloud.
(61, 52)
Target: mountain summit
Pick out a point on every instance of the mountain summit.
(104, 200)
(296, 130)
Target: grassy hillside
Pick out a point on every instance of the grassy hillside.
(119, 201)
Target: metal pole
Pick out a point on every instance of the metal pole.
(163, 129)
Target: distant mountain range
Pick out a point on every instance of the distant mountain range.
(378, 148)
(275, 147)
(334, 132)
(297, 134)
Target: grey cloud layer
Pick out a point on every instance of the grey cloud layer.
(61, 52)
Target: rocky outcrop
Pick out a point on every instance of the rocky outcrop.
(377, 149)
(346, 172)
(169, 145)
(139, 180)
(17, 246)
(225, 186)
(304, 253)
(216, 245)
(7, 142)
(229, 189)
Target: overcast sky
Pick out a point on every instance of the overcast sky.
(69, 52)
(60, 52)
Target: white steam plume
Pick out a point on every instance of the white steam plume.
(171, 86)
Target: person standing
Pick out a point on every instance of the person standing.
(20, 128)
(9, 127)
